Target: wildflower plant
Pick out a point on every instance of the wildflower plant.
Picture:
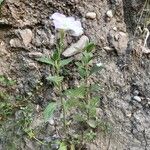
(80, 100)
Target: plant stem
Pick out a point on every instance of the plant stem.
(87, 90)
(58, 71)
(63, 109)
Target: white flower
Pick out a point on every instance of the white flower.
(67, 23)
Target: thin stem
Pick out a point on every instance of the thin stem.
(87, 90)
(58, 71)
(63, 109)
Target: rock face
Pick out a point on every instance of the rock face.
(27, 33)
(23, 40)
(119, 41)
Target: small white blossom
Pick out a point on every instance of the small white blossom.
(67, 23)
(99, 64)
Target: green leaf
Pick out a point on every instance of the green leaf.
(65, 62)
(87, 57)
(89, 47)
(78, 64)
(82, 72)
(56, 55)
(1, 1)
(46, 60)
(96, 69)
(6, 82)
(49, 111)
(63, 146)
(91, 107)
(94, 102)
(71, 103)
(55, 79)
(80, 118)
(78, 92)
(92, 123)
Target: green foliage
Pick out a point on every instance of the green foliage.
(46, 60)
(1, 1)
(49, 111)
(89, 47)
(78, 92)
(62, 146)
(89, 136)
(6, 82)
(6, 110)
(82, 101)
(55, 79)
(65, 62)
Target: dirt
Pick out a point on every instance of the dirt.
(26, 33)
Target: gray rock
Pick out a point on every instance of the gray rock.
(35, 54)
(136, 92)
(137, 98)
(76, 47)
(3, 51)
(15, 43)
(107, 48)
(109, 13)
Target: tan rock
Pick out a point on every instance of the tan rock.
(26, 36)
(91, 15)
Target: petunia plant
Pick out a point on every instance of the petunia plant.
(80, 100)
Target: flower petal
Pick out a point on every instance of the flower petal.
(67, 23)
(57, 16)
(76, 28)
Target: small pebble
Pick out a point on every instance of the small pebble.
(51, 121)
(136, 92)
(115, 28)
(35, 54)
(91, 15)
(109, 13)
(137, 98)
(107, 48)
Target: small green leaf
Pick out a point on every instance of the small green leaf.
(80, 118)
(46, 60)
(78, 64)
(65, 62)
(82, 72)
(55, 79)
(71, 103)
(6, 82)
(56, 56)
(89, 47)
(78, 92)
(49, 111)
(96, 69)
(92, 123)
(94, 102)
(87, 57)
(63, 146)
